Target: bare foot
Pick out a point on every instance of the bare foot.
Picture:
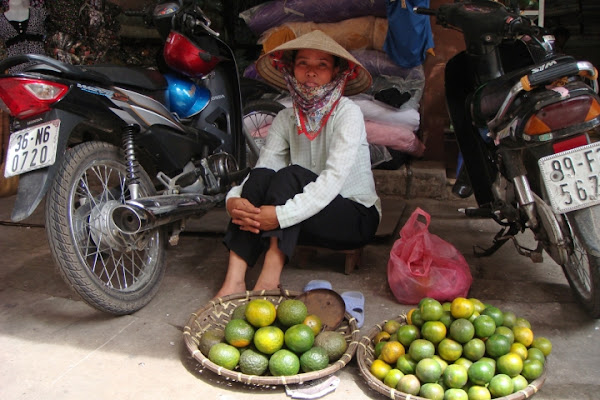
(228, 289)
(266, 286)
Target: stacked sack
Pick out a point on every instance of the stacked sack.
(391, 105)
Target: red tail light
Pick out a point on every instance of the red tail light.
(562, 114)
(26, 97)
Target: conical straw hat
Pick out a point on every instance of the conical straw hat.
(316, 40)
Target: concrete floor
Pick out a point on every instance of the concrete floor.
(54, 346)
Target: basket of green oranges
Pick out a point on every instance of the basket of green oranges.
(268, 338)
(459, 350)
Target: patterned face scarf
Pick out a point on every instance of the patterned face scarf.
(313, 105)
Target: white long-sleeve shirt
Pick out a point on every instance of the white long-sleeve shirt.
(339, 155)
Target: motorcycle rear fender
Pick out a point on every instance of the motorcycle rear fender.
(586, 223)
(33, 185)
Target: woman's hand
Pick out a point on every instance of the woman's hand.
(267, 218)
(244, 214)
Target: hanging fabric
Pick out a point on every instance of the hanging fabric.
(409, 34)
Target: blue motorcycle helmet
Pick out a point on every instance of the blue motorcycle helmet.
(186, 99)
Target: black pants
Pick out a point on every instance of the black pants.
(343, 224)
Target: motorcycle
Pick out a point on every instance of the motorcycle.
(526, 121)
(90, 138)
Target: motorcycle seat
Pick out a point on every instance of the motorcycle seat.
(488, 98)
(146, 79)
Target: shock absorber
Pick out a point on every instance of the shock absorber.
(131, 164)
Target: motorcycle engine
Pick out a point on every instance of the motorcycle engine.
(218, 170)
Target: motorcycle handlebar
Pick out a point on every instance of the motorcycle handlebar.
(424, 11)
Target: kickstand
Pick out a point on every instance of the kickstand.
(501, 237)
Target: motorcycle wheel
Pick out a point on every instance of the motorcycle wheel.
(582, 268)
(115, 273)
(258, 114)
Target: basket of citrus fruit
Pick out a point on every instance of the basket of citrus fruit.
(268, 338)
(459, 350)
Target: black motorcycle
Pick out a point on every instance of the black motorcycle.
(125, 155)
(525, 119)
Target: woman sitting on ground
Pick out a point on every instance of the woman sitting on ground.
(313, 182)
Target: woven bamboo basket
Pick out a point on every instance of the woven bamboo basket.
(218, 312)
(365, 355)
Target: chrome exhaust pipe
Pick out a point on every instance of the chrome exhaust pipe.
(146, 213)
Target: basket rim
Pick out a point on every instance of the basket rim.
(259, 379)
(377, 385)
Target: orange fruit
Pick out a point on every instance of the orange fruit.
(510, 364)
(224, 355)
(497, 345)
(378, 348)
(260, 312)
(443, 363)
(447, 318)
(420, 349)
(522, 322)
(434, 331)
(534, 353)
(455, 376)
(284, 363)
(520, 349)
(393, 377)
(477, 304)
(484, 325)
(433, 391)
(532, 369)
(406, 364)
(501, 385)
(409, 316)
(409, 384)
(428, 370)
(450, 350)
(314, 323)
(268, 339)
(417, 318)
(407, 333)
(431, 309)
(480, 373)
(465, 362)
(506, 331)
(239, 333)
(299, 338)
(519, 382)
(391, 351)
(381, 336)
(462, 308)
(495, 313)
(461, 330)
(474, 349)
(523, 335)
(379, 369)
(476, 392)
(391, 326)
(455, 394)
(291, 312)
(543, 344)
(509, 319)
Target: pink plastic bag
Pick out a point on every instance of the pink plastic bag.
(422, 264)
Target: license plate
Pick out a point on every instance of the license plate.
(572, 178)
(32, 148)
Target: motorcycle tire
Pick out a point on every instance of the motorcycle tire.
(115, 273)
(583, 266)
(258, 114)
